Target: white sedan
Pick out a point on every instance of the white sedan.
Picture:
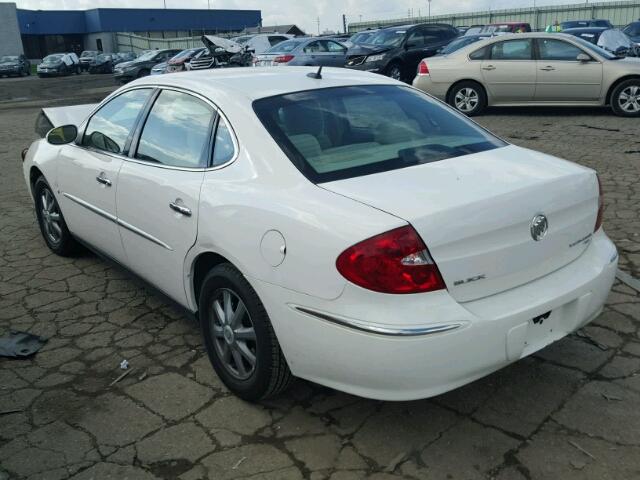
(343, 227)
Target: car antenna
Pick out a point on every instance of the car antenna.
(317, 75)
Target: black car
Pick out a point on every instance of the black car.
(633, 32)
(585, 23)
(121, 57)
(397, 51)
(103, 63)
(14, 65)
(141, 66)
(58, 64)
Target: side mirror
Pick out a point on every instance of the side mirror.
(62, 135)
(583, 57)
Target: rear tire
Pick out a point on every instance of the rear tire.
(625, 98)
(51, 221)
(468, 97)
(395, 71)
(243, 349)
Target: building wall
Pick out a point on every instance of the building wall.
(90, 41)
(10, 40)
(620, 13)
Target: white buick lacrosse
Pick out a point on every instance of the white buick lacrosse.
(341, 227)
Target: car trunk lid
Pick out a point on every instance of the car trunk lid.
(475, 212)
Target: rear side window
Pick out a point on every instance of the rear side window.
(512, 50)
(336, 133)
(110, 127)
(177, 131)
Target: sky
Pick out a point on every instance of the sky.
(304, 13)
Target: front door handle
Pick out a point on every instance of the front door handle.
(548, 68)
(489, 67)
(103, 180)
(186, 211)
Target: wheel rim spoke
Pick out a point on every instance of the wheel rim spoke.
(228, 310)
(245, 333)
(238, 315)
(218, 332)
(219, 312)
(237, 358)
(246, 353)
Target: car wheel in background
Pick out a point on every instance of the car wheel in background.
(240, 341)
(395, 71)
(625, 98)
(468, 98)
(52, 225)
(143, 73)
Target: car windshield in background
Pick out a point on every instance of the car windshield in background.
(459, 43)
(103, 57)
(337, 133)
(148, 55)
(284, 47)
(53, 58)
(361, 37)
(389, 38)
(594, 48)
(9, 58)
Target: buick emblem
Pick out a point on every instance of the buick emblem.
(539, 227)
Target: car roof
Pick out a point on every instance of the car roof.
(513, 36)
(228, 86)
(585, 29)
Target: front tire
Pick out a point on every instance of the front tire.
(239, 338)
(468, 98)
(625, 98)
(51, 221)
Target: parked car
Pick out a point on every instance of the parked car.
(123, 57)
(141, 66)
(220, 50)
(474, 30)
(506, 27)
(461, 42)
(87, 57)
(533, 69)
(103, 63)
(611, 39)
(14, 65)
(59, 64)
(359, 38)
(633, 32)
(159, 69)
(304, 51)
(397, 51)
(440, 252)
(585, 23)
(177, 63)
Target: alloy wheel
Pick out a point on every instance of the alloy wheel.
(395, 73)
(233, 334)
(50, 216)
(466, 99)
(629, 99)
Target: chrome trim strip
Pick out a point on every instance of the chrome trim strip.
(143, 234)
(114, 219)
(369, 328)
(93, 208)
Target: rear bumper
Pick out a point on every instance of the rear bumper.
(426, 84)
(485, 334)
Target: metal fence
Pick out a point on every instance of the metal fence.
(620, 13)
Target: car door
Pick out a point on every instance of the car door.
(88, 172)
(509, 72)
(316, 53)
(338, 53)
(415, 50)
(561, 77)
(159, 188)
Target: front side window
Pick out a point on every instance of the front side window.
(335, 47)
(512, 50)
(314, 47)
(336, 133)
(551, 49)
(110, 127)
(416, 39)
(176, 132)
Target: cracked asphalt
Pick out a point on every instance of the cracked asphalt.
(572, 411)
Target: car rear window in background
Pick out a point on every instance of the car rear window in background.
(285, 47)
(336, 133)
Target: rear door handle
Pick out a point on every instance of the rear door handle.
(548, 68)
(186, 211)
(103, 180)
(489, 67)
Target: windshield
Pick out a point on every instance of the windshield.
(389, 38)
(148, 55)
(103, 57)
(459, 43)
(595, 48)
(8, 58)
(53, 58)
(613, 39)
(284, 47)
(361, 37)
(337, 133)
(88, 53)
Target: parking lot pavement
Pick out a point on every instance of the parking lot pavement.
(571, 411)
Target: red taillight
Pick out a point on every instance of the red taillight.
(423, 68)
(600, 206)
(393, 262)
(283, 58)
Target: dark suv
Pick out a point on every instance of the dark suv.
(397, 51)
(14, 65)
(141, 66)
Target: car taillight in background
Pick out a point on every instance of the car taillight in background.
(283, 59)
(393, 262)
(423, 68)
(600, 206)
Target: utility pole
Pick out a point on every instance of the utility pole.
(318, 21)
(429, 5)
(344, 23)
(208, 4)
(165, 4)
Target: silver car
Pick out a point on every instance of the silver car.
(532, 69)
(304, 51)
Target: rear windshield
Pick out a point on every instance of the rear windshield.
(344, 132)
(284, 47)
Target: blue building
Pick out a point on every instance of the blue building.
(48, 31)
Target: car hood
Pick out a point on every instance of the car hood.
(9, 64)
(212, 43)
(365, 49)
